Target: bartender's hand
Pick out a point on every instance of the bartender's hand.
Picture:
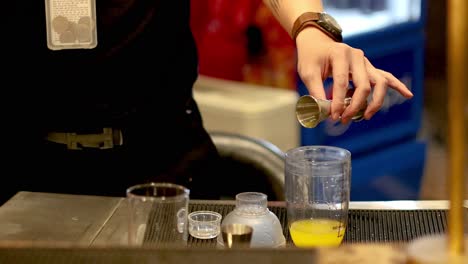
(320, 57)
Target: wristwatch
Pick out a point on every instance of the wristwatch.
(323, 21)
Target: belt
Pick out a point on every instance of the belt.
(109, 138)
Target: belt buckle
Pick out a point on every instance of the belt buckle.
(105, 140)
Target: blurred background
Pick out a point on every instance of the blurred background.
(249, 85)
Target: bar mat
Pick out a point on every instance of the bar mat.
(369, 226)
(364, 226)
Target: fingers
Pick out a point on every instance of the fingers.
(340, 64)
(361, 83)
(345, 63)
(396, 84)
(312, 78)
(378, 95)
(382, 80)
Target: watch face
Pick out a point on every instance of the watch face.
(331, 21)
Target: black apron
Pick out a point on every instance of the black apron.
(138, 79)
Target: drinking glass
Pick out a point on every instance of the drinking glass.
(317, 194)
(158, 214)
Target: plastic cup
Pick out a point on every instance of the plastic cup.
(158, 214)
(317, 195)
(204, 224)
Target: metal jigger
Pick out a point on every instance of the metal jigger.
(310, 111)
(237, 235)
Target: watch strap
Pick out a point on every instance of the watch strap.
(309, 19)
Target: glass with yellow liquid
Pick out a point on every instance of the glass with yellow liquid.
(317, 195)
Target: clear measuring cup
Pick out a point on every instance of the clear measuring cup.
(317, 194)
(157, 214)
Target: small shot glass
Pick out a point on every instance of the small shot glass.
(204, 224)
(237, 235)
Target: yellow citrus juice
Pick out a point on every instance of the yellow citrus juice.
(317, 233)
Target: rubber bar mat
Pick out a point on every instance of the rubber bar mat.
(369, 226)
(364, 226)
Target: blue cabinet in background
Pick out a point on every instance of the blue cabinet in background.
(393, 173)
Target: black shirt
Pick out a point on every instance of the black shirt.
(145, 59)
